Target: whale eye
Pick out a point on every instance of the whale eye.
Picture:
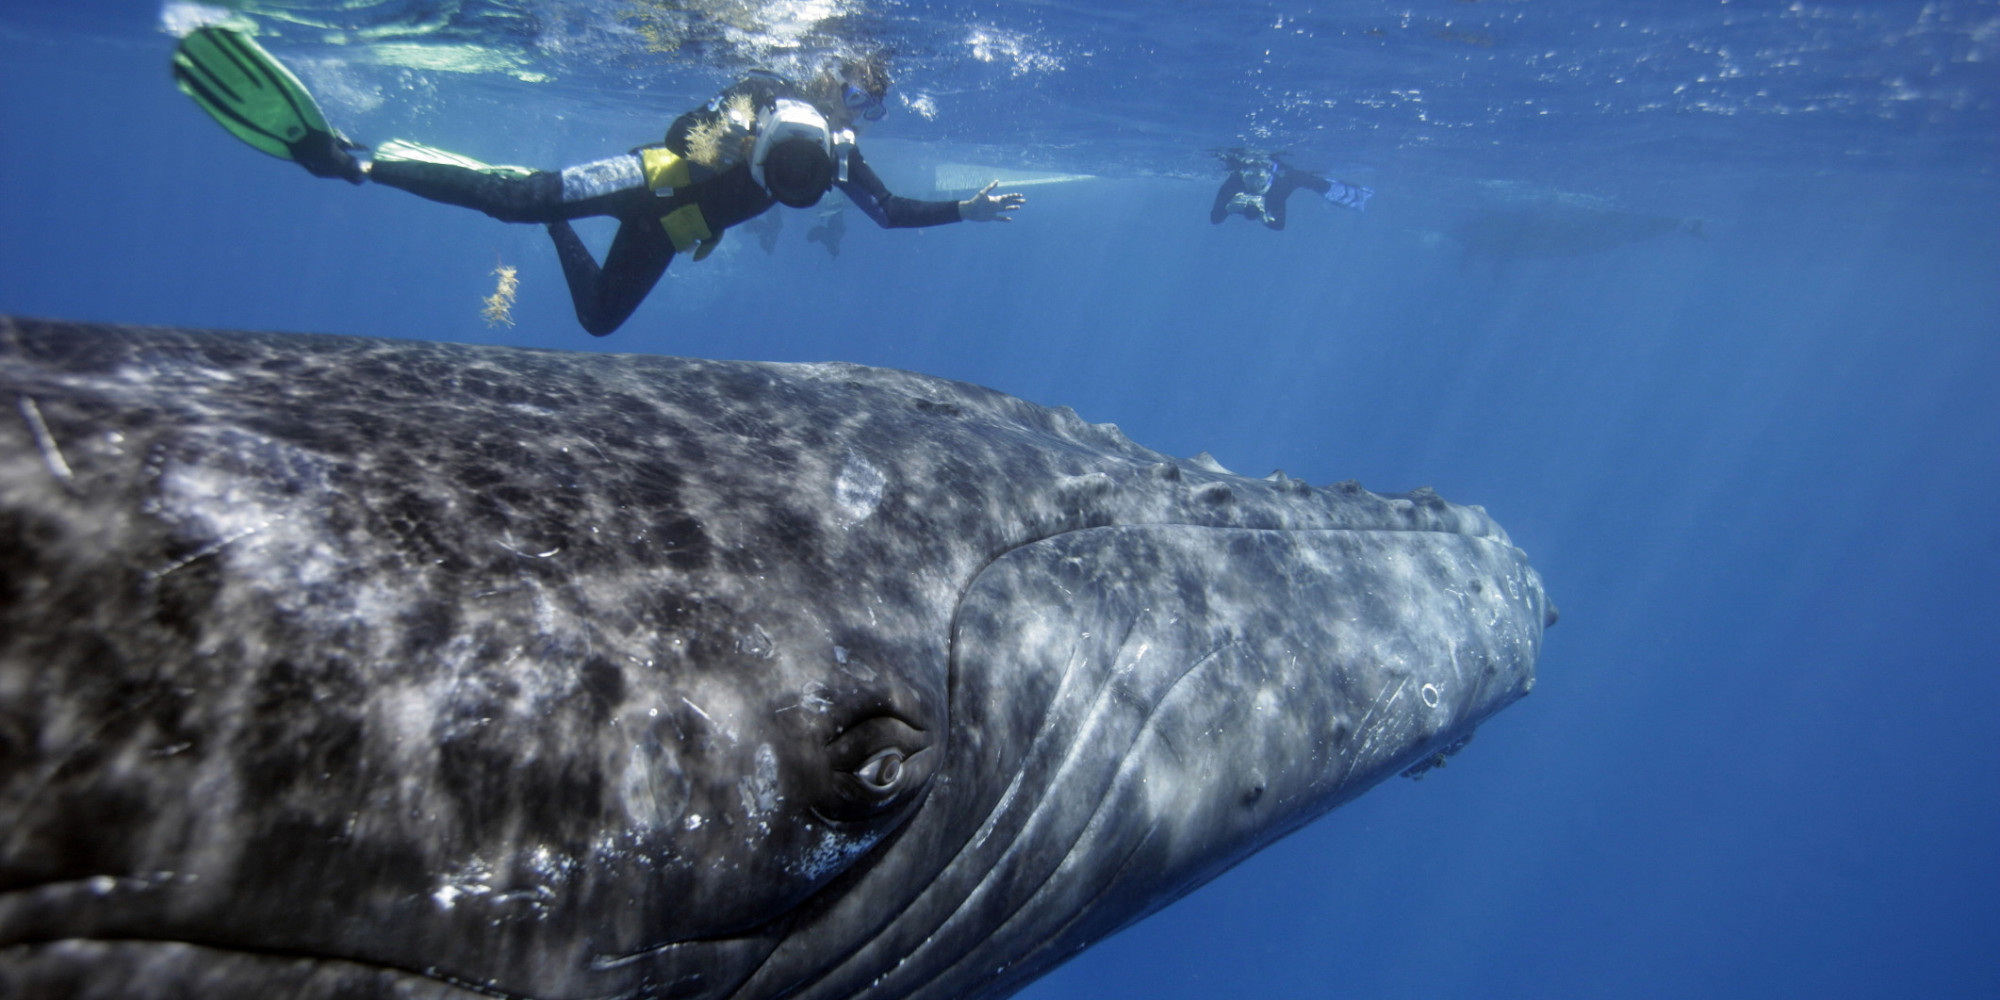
(881, 771)
(872, 768)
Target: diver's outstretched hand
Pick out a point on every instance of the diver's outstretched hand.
(987, 206)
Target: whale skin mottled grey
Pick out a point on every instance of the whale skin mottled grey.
(345, 667)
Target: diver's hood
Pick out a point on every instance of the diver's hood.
(788, 119)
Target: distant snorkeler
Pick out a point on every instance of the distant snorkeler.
(766, 228)
(832, 226)
(1259, 182)
(763, 141)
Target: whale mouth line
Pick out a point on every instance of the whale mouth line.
(54, 921)
(1456, 531)
(53, 917)
(254, 961)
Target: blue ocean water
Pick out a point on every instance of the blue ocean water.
(1757, 466)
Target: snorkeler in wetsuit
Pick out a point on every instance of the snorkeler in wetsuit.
(763, 141)
(1259, 183)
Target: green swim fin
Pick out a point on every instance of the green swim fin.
(259, 101)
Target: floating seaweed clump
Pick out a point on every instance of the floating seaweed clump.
(499, 309)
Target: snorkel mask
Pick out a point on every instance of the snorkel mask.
(1257, 178)
(862, 104)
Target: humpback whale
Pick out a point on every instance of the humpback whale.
(347, 667)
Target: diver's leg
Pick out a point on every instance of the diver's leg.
(534, 197)
(1347, 195)
(614, 186)
(606, 297)
(1301, 179)
(1340, 193)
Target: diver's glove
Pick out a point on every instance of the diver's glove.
(1349, 195)
(325, 154)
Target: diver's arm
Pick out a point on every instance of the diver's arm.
(1232, 186)
(1274, 208)
(868, 192)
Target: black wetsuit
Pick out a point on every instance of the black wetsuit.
(605, 297)
(1284, 181)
